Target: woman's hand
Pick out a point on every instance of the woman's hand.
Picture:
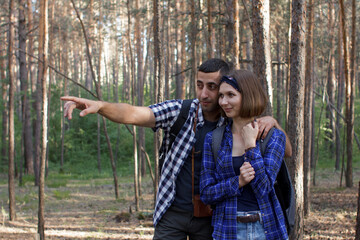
(249, 134)
(247, 174)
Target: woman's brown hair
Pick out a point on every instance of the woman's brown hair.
(254, 99)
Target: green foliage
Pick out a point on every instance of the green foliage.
(60, 195)
(28, 180)
(30, 198)
(326, 156)
(56, 182)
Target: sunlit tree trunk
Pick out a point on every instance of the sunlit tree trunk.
(132, 80)
(296, 110)
(51, 74)
(43, 76)
(12, 81)
(261, 46)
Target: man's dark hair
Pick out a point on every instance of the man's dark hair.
(214, 65)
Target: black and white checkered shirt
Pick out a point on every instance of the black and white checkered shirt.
(166, 114)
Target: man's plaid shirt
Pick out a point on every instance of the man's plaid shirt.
(166, 114)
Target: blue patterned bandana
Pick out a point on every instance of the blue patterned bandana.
(231, 81)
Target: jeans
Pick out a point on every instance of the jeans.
(250, 231)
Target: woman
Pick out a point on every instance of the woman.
(240, 182)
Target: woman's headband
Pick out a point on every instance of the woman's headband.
(231, 81)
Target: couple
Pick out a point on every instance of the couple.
(222, 183)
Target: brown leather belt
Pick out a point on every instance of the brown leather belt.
(248, 219)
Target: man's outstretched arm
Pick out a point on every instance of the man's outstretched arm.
(117, 112)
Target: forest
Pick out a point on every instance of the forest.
(90, 178)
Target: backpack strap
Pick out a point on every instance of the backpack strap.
(174, 130)
(216, 140)
(179, 123)
(264, 142)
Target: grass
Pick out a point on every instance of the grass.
(60, 195)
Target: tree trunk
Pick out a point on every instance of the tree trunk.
(158, 84)
(229, 29)
(65, 69)
(140, 87)
(357, 234)
(261, 46)
(12, 81)
(99, 79)
(236, 34)
(308, 106)
(296, 110)
(51, 75)
(31, 68)
(132, 80)
(331, 81)
(349, 101)
(279, 81)
(43, 76)
(88, 79)
(169, 54)
(4, 89)
(350, 113)
(99, 143)
(209, 43)
(27, 133)
(340, 97)
(193, 49)
(33, 82)
(182, 85)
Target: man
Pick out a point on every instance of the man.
(173, 215)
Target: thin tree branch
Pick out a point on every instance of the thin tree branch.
(58, 72)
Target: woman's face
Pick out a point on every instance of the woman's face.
(229, 100)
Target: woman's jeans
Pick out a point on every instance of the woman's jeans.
(252, 230)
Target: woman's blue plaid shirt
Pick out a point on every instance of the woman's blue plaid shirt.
(220, 186)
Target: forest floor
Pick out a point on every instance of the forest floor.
(86, 209)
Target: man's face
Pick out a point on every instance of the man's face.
(207, 90)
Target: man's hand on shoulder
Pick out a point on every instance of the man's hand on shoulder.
(268, 122)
